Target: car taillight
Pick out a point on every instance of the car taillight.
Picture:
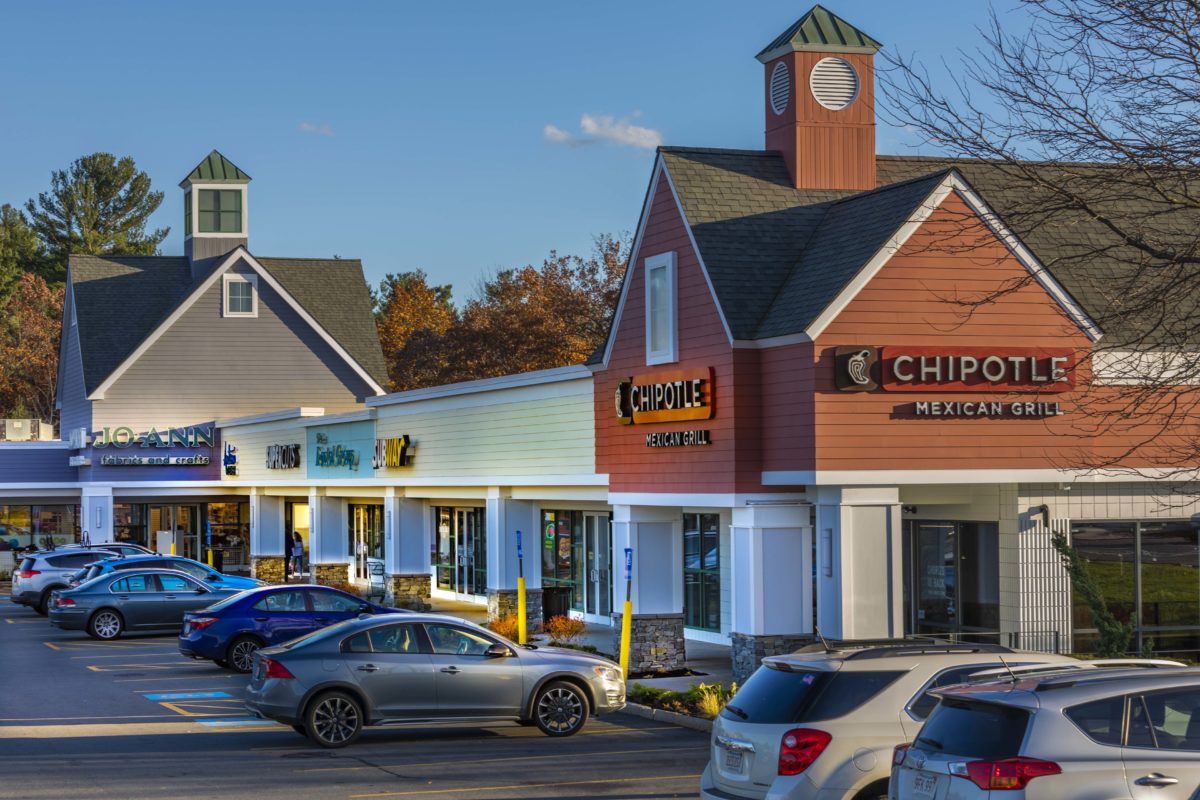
(1008, 773)
(799, 748)
(899, 753)
(200, 623)
(277, 670)
(63, 601)
(26, 574)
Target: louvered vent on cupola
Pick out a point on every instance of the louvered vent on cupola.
(834, 83)
(781, 85)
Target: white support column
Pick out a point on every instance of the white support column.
(327, 538)
(656, 536)
(772, 583)
(504, 517)
(860, 581)
(96, 512)
(269, 542)
(406, 540)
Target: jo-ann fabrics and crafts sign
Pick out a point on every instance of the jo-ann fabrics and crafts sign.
(195, 438)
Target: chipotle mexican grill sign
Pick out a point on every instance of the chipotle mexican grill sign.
(954, 369)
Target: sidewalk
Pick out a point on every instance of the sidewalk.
(712, 660)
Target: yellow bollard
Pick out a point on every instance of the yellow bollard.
(626, 630)
(210, 558)
(172, 548)
(522, 632)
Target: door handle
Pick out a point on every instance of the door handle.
(367, 668)
(260, 619)
(1156, 779)
(122, 597)
(451, 670)
(169, 597)
(322, 619)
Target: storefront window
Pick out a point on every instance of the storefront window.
(1149, 575)
(459, 554)
(230, 525)
(129, 523)
(562, 552)
(365, 532)
(24, 526)
(702, 571)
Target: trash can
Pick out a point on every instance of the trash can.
(218, 554)
(556, 601)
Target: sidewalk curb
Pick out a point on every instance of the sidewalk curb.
(659, 715)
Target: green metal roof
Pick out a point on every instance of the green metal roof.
(216, 168)
(821, 30)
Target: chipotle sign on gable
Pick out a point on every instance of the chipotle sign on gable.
(668, 396)
(954, 369)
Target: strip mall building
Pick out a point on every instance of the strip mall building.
(791, 425)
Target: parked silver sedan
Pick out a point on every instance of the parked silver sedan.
(144, 600)
(389, 669)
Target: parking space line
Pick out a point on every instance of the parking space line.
(103, 716)
(143, 692)
(525, 786)
(143, 665)
(505, 759)
(52, 646)
(186, 695)
(175, 678)
(125, 654)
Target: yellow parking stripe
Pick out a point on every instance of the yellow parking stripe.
(505, 760)
(183, 708)
(123, 655)
(52, 646)
(177, 678)
(143, 665)
(515, 787)
(87, 731)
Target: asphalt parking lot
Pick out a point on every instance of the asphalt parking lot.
(134, 719)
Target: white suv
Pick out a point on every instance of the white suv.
(818, 725)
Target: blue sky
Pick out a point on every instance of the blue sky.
(412, 135)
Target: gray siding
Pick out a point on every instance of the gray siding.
(35, 462)
(76, 409)
(207, 366)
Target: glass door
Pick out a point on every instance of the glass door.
(443, 556)
(598, 587)
(954, 581)
(187, 531)
(358, 544)
(470, 546)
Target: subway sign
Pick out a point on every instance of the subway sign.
(668, 396)
(392, 452)
(954, 369)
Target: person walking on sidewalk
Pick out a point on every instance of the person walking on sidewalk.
(297, 554)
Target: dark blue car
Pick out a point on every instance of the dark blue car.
(230, 631)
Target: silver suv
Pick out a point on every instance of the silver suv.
(1101, 734)
(42, 572)
(823, 723)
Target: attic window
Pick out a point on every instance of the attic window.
(834, 83)
(781, 86)
(240, 295)
(662, 345)
(220, 211)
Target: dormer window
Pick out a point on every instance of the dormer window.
(241, 295)
(220, 210)
(662, 345)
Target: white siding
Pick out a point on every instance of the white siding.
(252, 442)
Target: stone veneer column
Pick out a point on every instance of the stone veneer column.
(771, 571)
(656, 536)
(272, 569)
(504, 517)
(331, 574)
(406, 537)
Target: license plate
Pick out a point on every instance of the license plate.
(925, 785)
(733, 760)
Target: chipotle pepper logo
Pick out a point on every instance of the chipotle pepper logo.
(856, 368)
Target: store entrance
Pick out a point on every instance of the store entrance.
(952, 578)
(597, 598)
(366, 539)
(460, 561)
(178, 526)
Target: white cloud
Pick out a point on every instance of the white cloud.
(320, 130)
(605, 128)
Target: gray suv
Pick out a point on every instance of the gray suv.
(1102, 734)
(421, 668)
(42, 572)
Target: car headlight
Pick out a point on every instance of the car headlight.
(607, 673)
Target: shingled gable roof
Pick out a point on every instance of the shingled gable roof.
(777, 256)
(331, 291)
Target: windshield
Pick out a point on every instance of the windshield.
(319, 634)
(228, 601)
(980, 730)
(774, 696)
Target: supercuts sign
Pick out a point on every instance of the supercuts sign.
(954, 369)
(665, 397)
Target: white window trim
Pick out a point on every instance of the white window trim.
(233, 277)
(194, 190)
(671, 353)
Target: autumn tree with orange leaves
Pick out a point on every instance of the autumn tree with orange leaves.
(29, 348)
(521, 320)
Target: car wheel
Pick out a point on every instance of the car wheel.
(105, 624)
(560, 709)
(334, 720)
(43, 603)
(241, 653)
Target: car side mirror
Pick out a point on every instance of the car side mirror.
(202, 590)
(498, 651)
(366, 608)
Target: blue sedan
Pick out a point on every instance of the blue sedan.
(203, 572)
(231, 631)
